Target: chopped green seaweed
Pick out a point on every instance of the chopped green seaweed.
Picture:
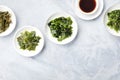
(28, 40)
(5, 20)
(114, 20)
(61, 28)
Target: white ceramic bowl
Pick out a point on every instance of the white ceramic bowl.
(28, 53)
(90, 16)
(112, 31)
(67, 40)
(12, 24)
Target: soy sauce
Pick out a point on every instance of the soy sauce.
(87, 5)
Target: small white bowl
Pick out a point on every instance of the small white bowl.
(89, 13)
(28, 53)
(12, 24)
(90, 16)
(67, 40)
(112, 31)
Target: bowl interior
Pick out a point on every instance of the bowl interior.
(89, 13)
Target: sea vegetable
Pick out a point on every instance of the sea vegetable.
(61, 28)
(5, 20)
(114, 20)
(28, 40)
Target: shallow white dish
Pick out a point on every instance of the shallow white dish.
(90, 16)
(28, 53)
(12, 24)
(67, 40)
(112, 31)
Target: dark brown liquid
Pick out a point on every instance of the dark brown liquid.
(87, 5)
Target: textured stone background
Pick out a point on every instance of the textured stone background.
(93, 55)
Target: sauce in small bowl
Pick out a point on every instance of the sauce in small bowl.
(88, 6)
